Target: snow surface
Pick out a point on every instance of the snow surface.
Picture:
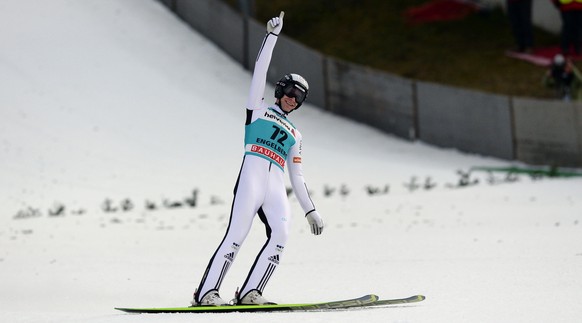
(114, 100)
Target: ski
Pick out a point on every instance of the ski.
(361, 302)
(396, 301)
(367, 299)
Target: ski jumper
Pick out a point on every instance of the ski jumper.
(271, 143)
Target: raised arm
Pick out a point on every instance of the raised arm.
(259, 80)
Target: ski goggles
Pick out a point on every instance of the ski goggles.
(292, 91)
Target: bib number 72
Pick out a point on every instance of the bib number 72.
(281, 134)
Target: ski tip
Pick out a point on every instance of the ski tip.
(416, 298)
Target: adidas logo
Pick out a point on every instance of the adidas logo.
(229, 256)
(274, 259)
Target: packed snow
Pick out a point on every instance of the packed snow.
(121, 135)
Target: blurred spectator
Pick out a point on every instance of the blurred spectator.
(519, 13)
(571, 12)
(564, 78)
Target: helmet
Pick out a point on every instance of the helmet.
(294, 86)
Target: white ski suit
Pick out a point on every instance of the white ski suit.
(271, 143)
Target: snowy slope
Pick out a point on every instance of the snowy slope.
(118, 100)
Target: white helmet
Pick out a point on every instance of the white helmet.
(292, 85)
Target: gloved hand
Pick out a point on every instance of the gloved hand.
(315, 222)
(276, 24)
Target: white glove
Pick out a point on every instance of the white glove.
(315, 222)
(276, 24)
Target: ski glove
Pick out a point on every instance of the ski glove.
(275, 25)
(315, 222)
